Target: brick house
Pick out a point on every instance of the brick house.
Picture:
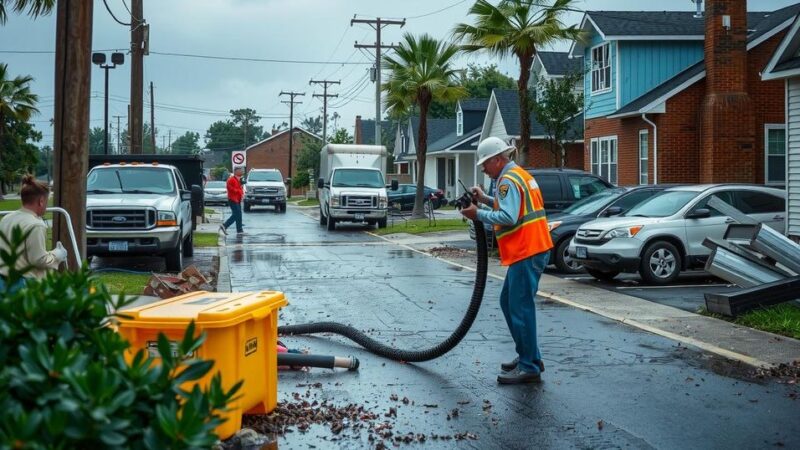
(784, 144)
(273, 152)
(677, 97)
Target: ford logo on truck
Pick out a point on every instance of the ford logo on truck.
(119, 219)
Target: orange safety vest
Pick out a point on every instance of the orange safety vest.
(529, 236)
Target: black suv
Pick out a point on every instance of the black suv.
(560, 189)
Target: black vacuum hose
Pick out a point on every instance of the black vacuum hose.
(396, 354)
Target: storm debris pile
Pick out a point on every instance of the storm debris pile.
(786, 373)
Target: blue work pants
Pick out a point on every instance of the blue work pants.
(236, 216)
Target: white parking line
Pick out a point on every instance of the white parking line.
(675, 286)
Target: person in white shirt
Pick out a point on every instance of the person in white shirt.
(28, 218)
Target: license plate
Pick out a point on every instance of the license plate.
(118, 246)
(360, 216)
(581, 252)
(264, 200)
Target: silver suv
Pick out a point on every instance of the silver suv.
(664, 235)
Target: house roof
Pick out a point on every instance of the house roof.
(474, 104)
(559, 63)
(437, 129)
(769, 24)
(281, 133)
(508, 105)
(453, 142)
(785, 61)
(368, 130)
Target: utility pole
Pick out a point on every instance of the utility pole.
(291, 104)
(73, 67)
(152, 119)
(170, 141)
(118, 148)
(377, 24)
(324, 96)
(137, 74)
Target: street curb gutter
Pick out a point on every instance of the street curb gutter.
(224, 275)
(658, 314)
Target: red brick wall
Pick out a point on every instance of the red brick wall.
(627, 133)
(274, 154)
(540, 155)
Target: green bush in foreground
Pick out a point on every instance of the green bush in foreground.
(65, 384)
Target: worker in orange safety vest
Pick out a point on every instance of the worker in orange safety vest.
(520, 226)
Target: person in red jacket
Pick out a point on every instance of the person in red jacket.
(235, 194)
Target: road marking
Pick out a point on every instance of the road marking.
(678, 286)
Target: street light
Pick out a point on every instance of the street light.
(117, 59)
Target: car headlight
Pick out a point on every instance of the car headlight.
(383, 202)
(166, 219)
(334, 200)
(553, 225)
(625, 232)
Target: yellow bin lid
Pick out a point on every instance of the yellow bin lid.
(207, 309)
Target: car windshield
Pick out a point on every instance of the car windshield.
(215, 185)
(663, 204)
(264, 176)
(130, 180)
(357, 178)
(593, 203)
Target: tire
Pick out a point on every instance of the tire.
(322, 219)
(382, 223)
(603, 275)
(188, 246)
(283, 209)
(331, 224)
(661, 263)
(564, 263)
(246, 207)
(174, 258)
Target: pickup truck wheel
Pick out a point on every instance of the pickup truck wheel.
(331, 224)
(246, 207)
(382, 223)
(188, 246)
(603, 275)
(174, 258)
(322, 219)
(283, 209)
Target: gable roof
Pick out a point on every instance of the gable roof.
(437, 129)
(281, 133)
(770, 24)
(368, 130)
(474, 104)
(451, 141)
(676, 25)
(508, 107)
(785, 62)
(559, 63)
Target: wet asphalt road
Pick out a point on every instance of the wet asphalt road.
(606, 385)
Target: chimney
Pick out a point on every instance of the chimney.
(357, 136)
(728, 133)
(699, 13)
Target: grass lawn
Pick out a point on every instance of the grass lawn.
(420, 226)
(127, 283)
(208, 211)
(309, 202)
(205, 239)
(779, 319)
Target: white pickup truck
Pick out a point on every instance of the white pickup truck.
(352, 186)
(139, 209)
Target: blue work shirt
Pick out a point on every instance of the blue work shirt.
(508, 206)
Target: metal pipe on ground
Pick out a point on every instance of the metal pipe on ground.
(323, 361)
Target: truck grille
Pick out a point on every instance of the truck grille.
(268, 191)
(359, 201)
(121, 219)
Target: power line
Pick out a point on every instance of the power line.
(268, 60)
(105, 2)
(437, 11)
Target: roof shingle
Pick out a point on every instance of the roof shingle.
(559, 63)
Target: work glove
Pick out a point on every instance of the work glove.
(60, 253)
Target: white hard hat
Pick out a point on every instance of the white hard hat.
(491, 146)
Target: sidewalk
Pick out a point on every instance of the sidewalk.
(753, 347)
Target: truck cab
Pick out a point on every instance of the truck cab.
(265, 187)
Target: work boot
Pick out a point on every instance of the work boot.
(509, 366)
(223, 230)
(517, 376)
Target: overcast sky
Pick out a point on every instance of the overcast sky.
(191, 93)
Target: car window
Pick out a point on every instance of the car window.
(550, 185)
(134, 180)
(755, 202)
(594, 203)
(585, 186)
(181, 183)
(725, 196)
(662, 204)
(634, 198)
(260, 175)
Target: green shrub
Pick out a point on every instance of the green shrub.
(64, 382)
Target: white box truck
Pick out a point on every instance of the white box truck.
(352, 186)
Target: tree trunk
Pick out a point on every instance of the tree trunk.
(422, 150)
(2, 127)
(71, 143)
(525, 62)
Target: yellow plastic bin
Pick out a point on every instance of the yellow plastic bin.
(242, 335)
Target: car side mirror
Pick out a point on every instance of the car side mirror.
(395, 185)
(612, 211)
(320, 183)
(700, 213)
(186, 195)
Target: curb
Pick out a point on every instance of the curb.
(224, 275)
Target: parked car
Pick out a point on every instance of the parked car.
(560, 189)
(664, 235)
(139, 209)
(608, 203)
(265, 187)
(215, 192)
(406, 193)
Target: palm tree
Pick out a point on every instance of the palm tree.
(420, 71)
(519, 28)
(36, 8)
(17, 102)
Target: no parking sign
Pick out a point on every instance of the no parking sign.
(238, 159)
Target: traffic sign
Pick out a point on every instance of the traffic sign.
(238, 159)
